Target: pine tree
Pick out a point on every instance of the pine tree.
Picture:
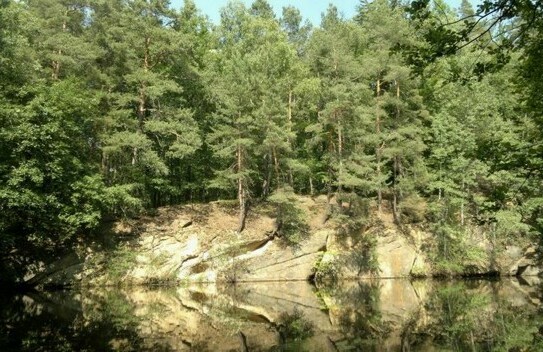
(261, 8)
(298, 33)
(339, 132)
(61, 38)
(398, 108)
(253, 80)
(148, 128)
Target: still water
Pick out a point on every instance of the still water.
(384, 315)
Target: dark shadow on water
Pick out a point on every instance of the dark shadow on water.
(55, 321)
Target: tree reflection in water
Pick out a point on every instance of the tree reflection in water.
(55, 322)
(391, 315)
(482, 316)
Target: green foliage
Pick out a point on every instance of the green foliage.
(292, 227)
(120, 200)
(46, 191)
(119, 262)
(294, 326)
(456, 253)
(469, 318)
(510, 227)
(326, 270)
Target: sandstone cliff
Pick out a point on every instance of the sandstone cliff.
(199, 244)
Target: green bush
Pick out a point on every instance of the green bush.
(120, 262)
(294, 326)
(292, 227)
(326, 271)
(455, 254)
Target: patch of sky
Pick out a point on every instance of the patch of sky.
(310, 9)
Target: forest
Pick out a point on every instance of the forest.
(113, 108)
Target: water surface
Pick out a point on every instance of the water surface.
(384, 315)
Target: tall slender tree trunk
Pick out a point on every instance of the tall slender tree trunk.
(242, 199)
(142, 96)
(143, 87)
(134, 155)
(378, 148)
(289, 115)
(340, 168)
(104, 166)
(56, 64)
(276, 168)
(395, 193)
(462, 205)
(439, 189)
(396, 166)
(330, 177)
(267, 181)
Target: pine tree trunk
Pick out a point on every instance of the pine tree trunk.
(289, 115)
(395, 193)
(241, 191)
(105, 168)
(396, 170)
(276, 168)
(56, 64)
(340, 157)
(242, 215)
(266, 184)
(378, 148)
(331, 150)
(462, 207)
(142, 93)
(134, 155)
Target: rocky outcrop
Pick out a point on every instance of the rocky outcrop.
(275, 262)
(62, 272)
(198, 244)
(520, 261)
(398, 258)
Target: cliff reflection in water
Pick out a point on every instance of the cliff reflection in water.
(386, 315)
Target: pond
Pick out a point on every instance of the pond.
(381, 315)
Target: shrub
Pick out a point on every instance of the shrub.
(294, 326)
(455, 254)
(292, 228)
(326, 270)
(120, 262)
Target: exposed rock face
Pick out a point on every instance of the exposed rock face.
(60, 273)
(275, 262)
(198, 244)
(202, 247)
(396, 257)
(520, 261)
